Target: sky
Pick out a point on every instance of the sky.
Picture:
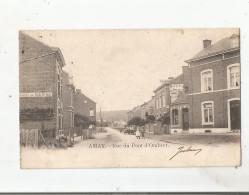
(119, 69)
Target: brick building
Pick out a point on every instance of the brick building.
(84, 105)
(148, 107)
(214, 87)
(162, 99)
(40, 79)
(68, 90)
(179, 108)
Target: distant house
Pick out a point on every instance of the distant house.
(84, 105)
(40, 78)
(162, 99)
(214, 87)
(148, 107)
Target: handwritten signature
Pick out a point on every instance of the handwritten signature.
(182, 150)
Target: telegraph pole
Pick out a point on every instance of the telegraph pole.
(100, 119)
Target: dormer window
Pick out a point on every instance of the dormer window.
(207, 80)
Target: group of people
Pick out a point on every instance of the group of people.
(140, 133)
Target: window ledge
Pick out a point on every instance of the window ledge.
(233, 88)
(207, 91)
(207, 123)
(175, 126)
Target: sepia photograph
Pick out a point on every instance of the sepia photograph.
(129, 98)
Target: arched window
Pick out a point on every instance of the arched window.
(233, 76)
(207, 80)
(208, 112)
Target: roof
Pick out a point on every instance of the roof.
(177, 80)
(30, 48)
(224, 45)
(79, 92)
(166, 82)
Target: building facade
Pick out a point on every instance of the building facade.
(179, 108)
(214, 87)
(148, 107)
(68, 91)
(162, 99)
(84, 105)
(40, 80)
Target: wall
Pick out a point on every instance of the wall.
(67, 99)
(219, 98)
(38, 75)
(82, 105)
(162, 110)
(39, 66)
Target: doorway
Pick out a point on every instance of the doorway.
(185, 119)
(235, 115)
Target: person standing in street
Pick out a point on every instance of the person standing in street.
(142, 132)
(138, 133)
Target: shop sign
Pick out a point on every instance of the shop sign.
(36, 94)
(176, 87)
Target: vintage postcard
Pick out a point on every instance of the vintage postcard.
(129, 98)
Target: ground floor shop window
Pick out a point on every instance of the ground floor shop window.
(207, 112)
(175, 117)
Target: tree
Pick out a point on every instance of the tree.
(81, 121)
(136, 121)
(165, 119)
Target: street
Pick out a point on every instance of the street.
(115, 149)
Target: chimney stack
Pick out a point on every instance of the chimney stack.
(206, 43)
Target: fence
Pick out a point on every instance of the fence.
(29, 137)
(161, 129)
(150, 128)
(36, 138)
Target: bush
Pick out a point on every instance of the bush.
(165, 119)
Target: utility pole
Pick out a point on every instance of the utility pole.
(100, 119)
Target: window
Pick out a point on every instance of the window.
(59, 85)
(186, 89)
(164, 100)
(160, 102)
(157, 103)
(151, 110)
(175, 117)
(206, 80)
(207, 113)
(233, 76)
(91, 112)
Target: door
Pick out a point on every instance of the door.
(235, 115)
(185, 119)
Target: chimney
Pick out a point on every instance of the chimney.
(206, 43)
(170, 78)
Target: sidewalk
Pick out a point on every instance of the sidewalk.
(192, 139)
